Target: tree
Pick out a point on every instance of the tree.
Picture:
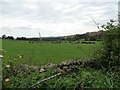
(4, 36)
(21, 38)
(10, 37)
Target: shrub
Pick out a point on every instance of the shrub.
(109, 54)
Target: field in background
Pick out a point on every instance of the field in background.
(47, 52)
(35, 53)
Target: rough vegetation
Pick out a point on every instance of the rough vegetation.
(109, 54)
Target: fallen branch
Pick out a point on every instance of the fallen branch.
(41, 81)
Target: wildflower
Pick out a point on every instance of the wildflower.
(8, 66)
(20, 56)
(7, 80)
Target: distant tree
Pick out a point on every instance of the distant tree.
(21, 38)
(77, 37)
(4, 36)
(10, 37)
(94, 38)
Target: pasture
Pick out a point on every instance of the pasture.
(37, 53)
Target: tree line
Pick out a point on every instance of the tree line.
(87, 37)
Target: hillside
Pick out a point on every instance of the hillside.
(92, 36)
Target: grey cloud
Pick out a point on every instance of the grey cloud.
(46, 12)
(72, 11)
(28, 32)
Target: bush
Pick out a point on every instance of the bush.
(109, 54)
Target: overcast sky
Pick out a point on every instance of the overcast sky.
(54, 17)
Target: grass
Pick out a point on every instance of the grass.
(83, 78)
(34, 53)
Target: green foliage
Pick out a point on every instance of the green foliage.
(83, 78)
(21, 79)
(109, 54)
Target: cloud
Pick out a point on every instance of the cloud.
(54, 17)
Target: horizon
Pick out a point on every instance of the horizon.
(50, 36)
(26, 18)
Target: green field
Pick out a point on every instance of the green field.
(37, 53)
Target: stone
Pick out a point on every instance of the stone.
(42, 70)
